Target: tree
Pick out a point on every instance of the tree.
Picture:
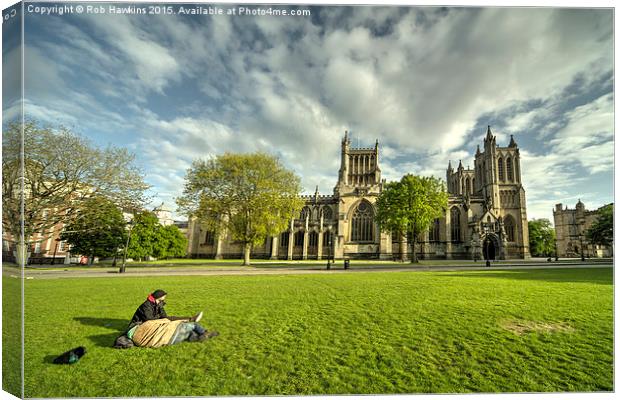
(601, 232)
(251, 196)
(60, 171)
(144, 235)
(542, 237)
(98, 230)
(171, 242)
(410, 206)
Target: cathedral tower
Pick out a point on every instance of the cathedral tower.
(359, 168)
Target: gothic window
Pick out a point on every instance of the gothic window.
(433, 233)
(467, 186)
(362, 223)
(61, 245)
(299, 238)
(473, 184)
(313, 239)
(516, 170)
(304, 213)
(327, 213)
(484, 171)
(509, 169)
(284, 239)
(327, 238)
(509, 227)
(500, 168)
(210, 238)
(37, 247)
(455, 224)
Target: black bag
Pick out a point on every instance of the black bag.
(71, 356)
(123, 342)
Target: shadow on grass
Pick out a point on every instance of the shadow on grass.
(105, 340)
(50, 359)
(601, 276)
(110, 323)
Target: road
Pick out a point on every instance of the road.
(34, 273)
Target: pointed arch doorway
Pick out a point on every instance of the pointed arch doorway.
(489, 248)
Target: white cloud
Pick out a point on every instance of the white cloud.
(588, 136)
(149, 61)
(420, 88)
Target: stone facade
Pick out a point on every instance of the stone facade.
(570, 231)
(486, 215)
(45, 246)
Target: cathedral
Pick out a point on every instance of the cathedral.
(485, 218)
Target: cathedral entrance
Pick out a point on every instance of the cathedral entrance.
(488, 248)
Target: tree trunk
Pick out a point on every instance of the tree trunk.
(414, 257)
(403, 248)
(92, 260)
(247, 248)
(21, 254)
(114, 261)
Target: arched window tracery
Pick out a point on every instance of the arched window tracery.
(509, 227)
(362, 223)
(433, 233)
(509, 171)
(455, 224)
(500, 168)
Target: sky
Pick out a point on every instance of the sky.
(424, 81)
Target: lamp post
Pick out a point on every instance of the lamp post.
(329, 244)
(55, 250)
(486, 245)
(122, 269)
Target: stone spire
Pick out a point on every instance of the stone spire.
(489, 134)
(512, 142)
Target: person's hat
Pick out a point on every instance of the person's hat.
(158, 294)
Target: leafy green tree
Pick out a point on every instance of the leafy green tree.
(542, 237)
(144, 235)
(251, 196)
(60, 171)
(98, 230)
(601, 232)
(171, 242)
(410, 206)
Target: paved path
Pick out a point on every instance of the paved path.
(32, 273)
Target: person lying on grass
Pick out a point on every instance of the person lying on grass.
(150, 326)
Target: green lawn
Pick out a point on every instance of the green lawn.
(387, 332)
(11, 335)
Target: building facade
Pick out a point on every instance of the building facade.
(45, 246)
(570, 231)
(486, 215)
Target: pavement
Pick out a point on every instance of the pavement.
(43, 272)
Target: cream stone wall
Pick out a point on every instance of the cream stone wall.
(484, 196)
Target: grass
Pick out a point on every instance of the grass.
(362, 333)
(11, 335)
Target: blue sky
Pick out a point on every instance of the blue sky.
(425, 81)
